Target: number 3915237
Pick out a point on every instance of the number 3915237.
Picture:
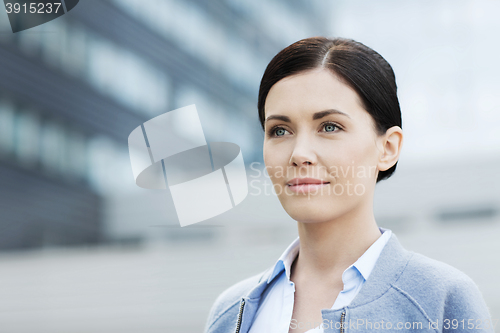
(33, 8)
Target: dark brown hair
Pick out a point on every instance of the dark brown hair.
(360, 67)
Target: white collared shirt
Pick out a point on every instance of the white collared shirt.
(276, 306)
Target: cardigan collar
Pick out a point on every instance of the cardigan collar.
(387, 270)
(388, 267)
(364, 264)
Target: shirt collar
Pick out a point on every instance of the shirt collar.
(286, 260)
(364, 264)
(367, 261)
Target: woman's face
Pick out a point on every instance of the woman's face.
(316, 128)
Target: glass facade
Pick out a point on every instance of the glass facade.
(110, 69)
(74, 88)
(35, 141)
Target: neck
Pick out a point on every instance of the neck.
(327, 248)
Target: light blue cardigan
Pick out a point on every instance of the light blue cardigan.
(406, 291)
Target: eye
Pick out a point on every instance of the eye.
(330, 127)
(277, 131)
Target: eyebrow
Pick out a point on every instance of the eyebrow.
(316, 115)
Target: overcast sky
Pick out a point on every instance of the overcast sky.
(445, 55)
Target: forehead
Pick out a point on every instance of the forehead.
(312, 91)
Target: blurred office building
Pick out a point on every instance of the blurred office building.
(72, 90)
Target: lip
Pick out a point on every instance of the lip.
(306, 185)
(304, 181)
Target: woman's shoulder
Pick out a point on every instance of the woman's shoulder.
(238, 290)
(232, 296)
(432, 283)
(436, 273)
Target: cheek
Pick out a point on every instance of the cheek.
(267, 156)
(270, 160)
(353, 162)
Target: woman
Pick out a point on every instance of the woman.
(333, 129)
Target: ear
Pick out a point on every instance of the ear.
(390, 147)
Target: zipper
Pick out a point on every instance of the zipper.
(238, 324)
(342, 318)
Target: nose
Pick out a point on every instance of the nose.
(303, 154)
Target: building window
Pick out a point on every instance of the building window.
(26, 142)
(6, 127)
(126, 77)
(52, 146)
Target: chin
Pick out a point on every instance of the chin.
(319, 208)
(309, 219)
(308, 211)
